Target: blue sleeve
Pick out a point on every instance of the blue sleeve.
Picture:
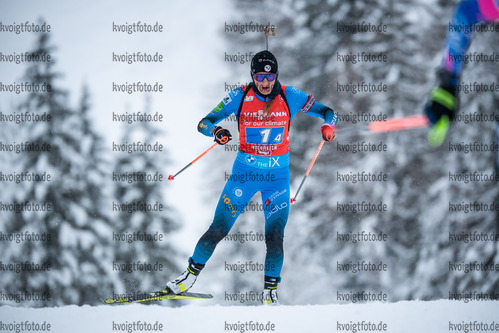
(299, 101)
(229, 105)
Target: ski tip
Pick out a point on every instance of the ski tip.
(170, 177)
(108, 301)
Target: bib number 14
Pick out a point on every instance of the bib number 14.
(270, 135)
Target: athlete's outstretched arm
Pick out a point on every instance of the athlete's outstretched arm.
(299, 101)
(229, 105)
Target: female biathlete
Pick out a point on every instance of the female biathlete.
(264, 110)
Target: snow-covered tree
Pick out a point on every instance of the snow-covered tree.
(142, 235)
(73, 265)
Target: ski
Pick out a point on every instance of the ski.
(154, 296)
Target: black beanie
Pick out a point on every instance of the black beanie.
(264, 61)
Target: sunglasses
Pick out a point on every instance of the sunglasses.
(261, 77)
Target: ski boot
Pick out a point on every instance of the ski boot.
(270, 291)
(186, 280)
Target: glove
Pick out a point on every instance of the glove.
(443, 99)
(222, 135)
(328, 132)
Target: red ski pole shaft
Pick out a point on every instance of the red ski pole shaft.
(293, 200)
(396, 124)
(172, 177)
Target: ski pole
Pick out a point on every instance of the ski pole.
(293, 200)
(388, 125)
(172, 177)
(436, 135)
(396, 124)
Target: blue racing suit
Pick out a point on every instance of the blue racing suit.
(257, 171)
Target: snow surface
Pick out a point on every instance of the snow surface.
(400, 317)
